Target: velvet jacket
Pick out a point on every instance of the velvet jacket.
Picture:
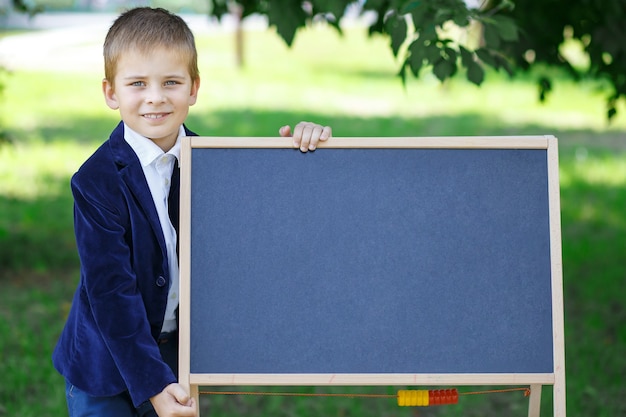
(109, 342)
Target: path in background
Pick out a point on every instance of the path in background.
(73, 41)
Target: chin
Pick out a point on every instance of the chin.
(159, 133)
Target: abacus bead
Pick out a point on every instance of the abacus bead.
(401, 401)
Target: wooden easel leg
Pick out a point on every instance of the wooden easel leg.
(194, 392)
(559, 395)
(534, 403)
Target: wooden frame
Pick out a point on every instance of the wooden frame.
(535, 381)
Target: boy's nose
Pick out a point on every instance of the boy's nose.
(155, 96)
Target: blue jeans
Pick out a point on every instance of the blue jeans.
(81, 404)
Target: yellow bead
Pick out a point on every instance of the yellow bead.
(401, 398)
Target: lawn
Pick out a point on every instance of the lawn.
(55, 119)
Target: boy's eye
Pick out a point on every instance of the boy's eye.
(170, 82)
(138, 84)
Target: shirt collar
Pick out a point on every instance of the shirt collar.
(147, 151)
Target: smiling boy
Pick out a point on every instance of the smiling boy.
(118, 350)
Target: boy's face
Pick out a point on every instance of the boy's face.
(153, 93)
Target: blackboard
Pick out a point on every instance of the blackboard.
(406, 256)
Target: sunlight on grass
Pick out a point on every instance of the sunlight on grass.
(605, 169)
(584, 175)
(39, 170)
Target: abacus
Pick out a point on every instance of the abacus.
(404, 398)
(424, 398)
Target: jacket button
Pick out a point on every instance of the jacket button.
(160, 281)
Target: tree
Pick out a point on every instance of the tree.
(515, 36)
(544, 25)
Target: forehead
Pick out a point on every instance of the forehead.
(157, 61)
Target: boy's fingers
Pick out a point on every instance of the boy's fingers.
(297, 134)
(307, 138)
(315, 137)
(192, 410)
(285, 131)
(307, 135)
(318, 134)
(179, 394)
(174, 401)
(327, 133)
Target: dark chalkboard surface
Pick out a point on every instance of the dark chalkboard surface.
(426, 260)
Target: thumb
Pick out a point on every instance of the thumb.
(179, 394)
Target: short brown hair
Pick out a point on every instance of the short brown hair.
(144, 28)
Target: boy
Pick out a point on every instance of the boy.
(118, 350)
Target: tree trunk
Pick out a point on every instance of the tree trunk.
(236, 10)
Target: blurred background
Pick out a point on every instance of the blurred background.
(53, 117)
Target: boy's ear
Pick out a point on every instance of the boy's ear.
(193, 95)
(109, 94)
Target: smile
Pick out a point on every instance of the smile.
(155, 116)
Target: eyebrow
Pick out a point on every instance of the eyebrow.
(168, 76)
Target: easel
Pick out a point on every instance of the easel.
(535, 380)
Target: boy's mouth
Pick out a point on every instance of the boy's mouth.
(155, 116)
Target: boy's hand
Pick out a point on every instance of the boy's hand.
(173, 401)
(307, 135)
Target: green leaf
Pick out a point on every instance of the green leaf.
(380, 8)
(402, 73)
(475, 73)
(461, 20)
(444, 69)
(417, 54)
(377, 27)
(428, 33)
(502, 62)
(25, 6)
(218, 8)
(611, 112)
(432, 53)
(467, 57)
(506, 27)
(491, 36)
(422, 16)
(287, 16)
(545, 86)
(484, 55)
(450, 10)
(410, 6)
(442, 16)
(376, 5)
(450, 53)
(250, 7)
(397, 28)
(335, 7)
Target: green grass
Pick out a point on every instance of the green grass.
(56, 119)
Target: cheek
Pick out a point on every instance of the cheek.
(129, 99)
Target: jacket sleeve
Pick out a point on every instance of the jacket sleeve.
(120, 293)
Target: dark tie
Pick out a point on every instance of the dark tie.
(173, 200)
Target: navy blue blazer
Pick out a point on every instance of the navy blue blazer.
(109, 342)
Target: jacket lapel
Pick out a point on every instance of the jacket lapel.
(131, 174)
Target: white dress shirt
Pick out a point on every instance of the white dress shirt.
(157, 167)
